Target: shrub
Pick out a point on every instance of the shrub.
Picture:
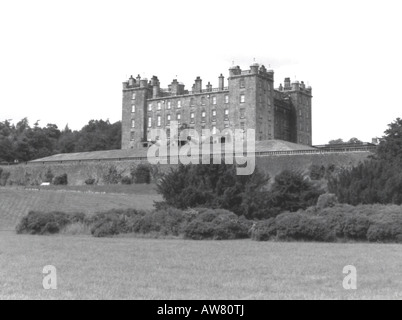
(90, 181)
(213, 186)
(60, 180)
(48, 176)
(168, 221)
(317, 172)
(326, 200)
(112, 176)
(299, 226)
(291, 192)
(356, 227)
(43, 222)
(264, 230)
(126, 180)
(217, 224)
(142, 174)
(386, 231)
(4, 175)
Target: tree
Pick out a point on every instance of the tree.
(378, 180)
(291, 192)
(354, 141)
(337, 141)
(213, 186)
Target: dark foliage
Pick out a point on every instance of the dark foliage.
(141, 174)
(213, 186)
(61, 180)
(378, 180)
(21, 142)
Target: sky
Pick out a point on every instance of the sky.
(63, 62)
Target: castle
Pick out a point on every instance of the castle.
(248, 101)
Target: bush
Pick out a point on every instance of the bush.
(213, 186)
(217, 224)
(112, 176)
(326, 200)
(60, 180)
(292, 192)
(142, 174)
(168, 221)
(43, 222)
(4, 175)
(356, 227)
(126, 180)
(90, 181)
(299, 226)
(264, 230)
(48, 176)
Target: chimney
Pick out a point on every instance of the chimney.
(209, 87)
(144, 83)
(221, 82)
(174, 87)
(287, 84)
(131, 81)
(198, 85)
(254, 68)
(295, 85)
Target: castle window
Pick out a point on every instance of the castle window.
(242, 113)
(226, 98)
(242, 83)
(226, 114)
(300, 113)
(132, 135)
(179, 104)
(149, 122)
(150, 107)
(203, 101)
(159, 105)
(168, 119)
(132, 123)
(213, 100)
(133, 108)
(168, 105)
(214, 113)
(168, 133)
(226, 125)
(133, 96)
(203, 115)
(242, 98)
(191, 101)
(213, 129)
(192, 117)
(159, 121)
(242, 127)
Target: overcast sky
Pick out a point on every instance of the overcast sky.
(64, 61)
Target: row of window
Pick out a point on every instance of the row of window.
(192, 118)
(179, 104)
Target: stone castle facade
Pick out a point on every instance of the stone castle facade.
(248, 101)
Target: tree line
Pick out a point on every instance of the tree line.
(22, 142)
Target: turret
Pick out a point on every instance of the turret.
(295, 85)
(254, 68)
(234, 71)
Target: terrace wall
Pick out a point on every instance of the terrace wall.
(269, 162)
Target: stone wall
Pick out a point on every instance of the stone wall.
(78, 172)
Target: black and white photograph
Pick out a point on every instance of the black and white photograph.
(194, 157)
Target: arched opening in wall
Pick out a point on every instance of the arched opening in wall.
(223, 139)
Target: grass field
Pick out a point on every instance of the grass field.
(135, 268)
(132, 268)
(15, 203)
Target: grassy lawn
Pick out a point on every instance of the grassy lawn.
(15, 203)
(132, 268)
